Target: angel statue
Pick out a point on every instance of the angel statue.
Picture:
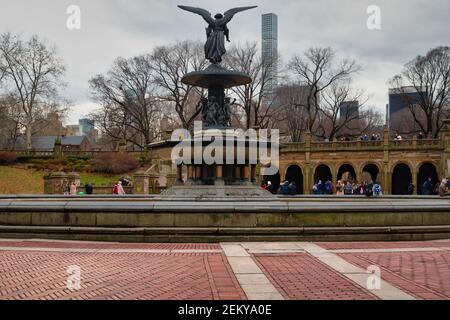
(216, 31)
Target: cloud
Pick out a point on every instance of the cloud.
(112, 28)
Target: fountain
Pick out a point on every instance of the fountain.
(230, 176)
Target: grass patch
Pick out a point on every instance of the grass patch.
(28, 181)
(99, 179)
(21, 181)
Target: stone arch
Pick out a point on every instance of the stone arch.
(322, 172)
(294, 173)
(372, 170)
(346, 171)
(402, 175)
(425, 170)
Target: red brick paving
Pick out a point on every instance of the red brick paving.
(205, 276)
(303, 277)
(382, 245)
(42, 275)
(425, 275)
(92, 245)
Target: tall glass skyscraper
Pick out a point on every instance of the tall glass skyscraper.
(270, 47)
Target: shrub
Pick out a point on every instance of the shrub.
(7, 157)
(115, 163)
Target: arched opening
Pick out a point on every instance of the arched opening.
(294, 174)
(323, 173)
(371, 173)
(427, 171)
(346, 173)
(401, 178)
(274, 179)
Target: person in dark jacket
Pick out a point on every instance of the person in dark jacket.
(293, 189)
(411, 188)
(427, 188)
(88, 188)
(284, 189)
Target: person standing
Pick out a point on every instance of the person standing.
(377, 192)
(329, 188)
(348, 189)
(73, 188)
(118, 189)
(427, 187)
(88, 189)
(66, 188)
(411, 188)
(293, 189)
(270, 187)
(443, 187)
(339, 188)
(321, 188)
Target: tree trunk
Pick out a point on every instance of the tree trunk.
(28, 134)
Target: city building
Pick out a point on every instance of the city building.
(270, 48)
(47, 143)
(400, 102)
(349, 109)
(86, 126)
(73, 130)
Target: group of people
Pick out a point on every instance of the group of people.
(373, 137)
(429, 188)
(118, 188)
(70, 189)
(286, 188)
(323, 188)
(347, 188)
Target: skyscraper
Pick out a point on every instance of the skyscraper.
(270, 47)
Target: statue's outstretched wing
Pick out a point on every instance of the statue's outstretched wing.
(204, 13)
(227, 16)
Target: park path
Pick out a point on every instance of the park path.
(40, 269)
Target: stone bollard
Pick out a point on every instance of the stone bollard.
(154, 183)
(171, 180)
(141, 183)
(55, 183)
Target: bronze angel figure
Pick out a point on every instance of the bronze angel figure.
(217, 31)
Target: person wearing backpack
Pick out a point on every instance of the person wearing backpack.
(377, 190)
(328, 188)
(348, 189)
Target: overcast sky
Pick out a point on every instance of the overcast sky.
(112, 28)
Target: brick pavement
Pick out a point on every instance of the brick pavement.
(38, 270)
(302, 277)
(425, 275)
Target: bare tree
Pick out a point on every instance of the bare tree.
(429, 76)
(341, 111)
(318, 69)
(33, 74)
(289, 99)
(130, 109)
(10, 130)
(256, 99)
(169, 64)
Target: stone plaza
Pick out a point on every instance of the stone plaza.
(40, 270)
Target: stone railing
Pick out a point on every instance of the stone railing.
(71, 153)
(412, 144)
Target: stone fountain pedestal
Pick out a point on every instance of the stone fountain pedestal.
(235, 179)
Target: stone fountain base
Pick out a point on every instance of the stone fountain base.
(217, 193)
